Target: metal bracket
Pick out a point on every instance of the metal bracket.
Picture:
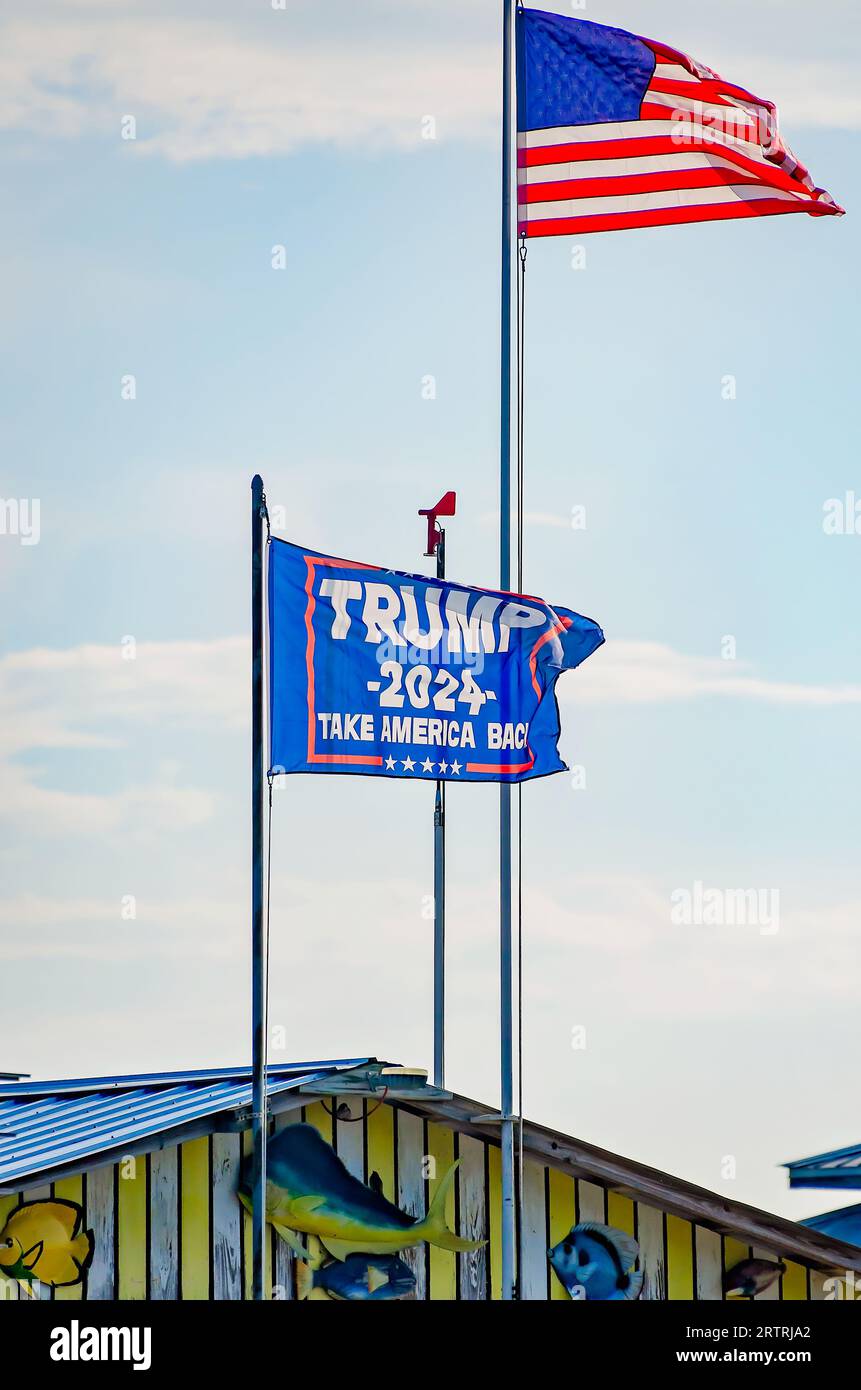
(397, 1083)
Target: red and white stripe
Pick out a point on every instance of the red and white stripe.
(703, 150)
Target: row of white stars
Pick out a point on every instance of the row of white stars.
(427, 766)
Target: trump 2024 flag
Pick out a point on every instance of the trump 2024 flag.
(387, 674)
(617, 131)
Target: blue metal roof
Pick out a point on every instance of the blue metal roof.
(839, 1168)
(46, 1125)
(844, 1224)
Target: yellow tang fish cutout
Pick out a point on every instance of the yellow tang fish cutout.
(45, 1241)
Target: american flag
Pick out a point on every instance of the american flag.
(617, 131)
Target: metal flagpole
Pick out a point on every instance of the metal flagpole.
(259, 965)
(439, 897)
(509, 1220)
(436, 546)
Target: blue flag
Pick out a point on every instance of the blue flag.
(388, 674)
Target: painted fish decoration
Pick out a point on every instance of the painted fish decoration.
(309, 1190)
(750, 1277)
(359, 1278)
(46, 1241)
(595, 1263)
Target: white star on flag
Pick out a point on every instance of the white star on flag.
(427, 765)
(443, 765)
(455, 767)
(390, 764)
(408, 764)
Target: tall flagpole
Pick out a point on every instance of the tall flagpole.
(436, 546)
(258, 921)
(508, 1224)
(439, 895)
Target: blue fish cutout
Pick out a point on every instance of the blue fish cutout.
(595, 1263)
(359, 1278)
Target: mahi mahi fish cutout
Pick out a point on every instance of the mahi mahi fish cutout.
(309, 1191)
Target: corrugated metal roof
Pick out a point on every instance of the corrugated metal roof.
(45, 1125)
(844, 1224)
(839, 1168)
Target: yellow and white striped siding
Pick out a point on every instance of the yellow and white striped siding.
(168, 1224)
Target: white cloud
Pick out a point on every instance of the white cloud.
(94, 929)
(89, 697)
(202, 90)
(621, 925)
(77, 698)
(556, 520)
(153, 807)
(246, 80)
(818, 93)
(651, 673)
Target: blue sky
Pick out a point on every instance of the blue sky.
(302, 128)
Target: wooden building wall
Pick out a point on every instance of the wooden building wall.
(168, 1224)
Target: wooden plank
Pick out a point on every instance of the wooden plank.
(283, 1264)
(680, 1259)
(818, 1291)
(317, 1115)
(794, 1283)
(772, 1294)
(350, 1134)
(473, 1218)
(653, 1262)
(562, 1217)
(100, 1283)
(494, 1207)
(621, 1215)
(132, 1228)
(9, 1290)
(709, 1265)
(411, 1189)
(694, 1204)
(226, 1217)
(533, 1235)
(734, 1251)
(590, 1201)
(246, 1148)
(70, 1190)
(195, 1187)
(442, 1283)
(164, 1225)
(380, 1127)
(620, 1212)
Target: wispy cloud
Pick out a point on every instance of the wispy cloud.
(204, 90)
(95, 929)
(556, 520)
(651, 673)
(250, 81)
(85, 697)
(89, 697)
